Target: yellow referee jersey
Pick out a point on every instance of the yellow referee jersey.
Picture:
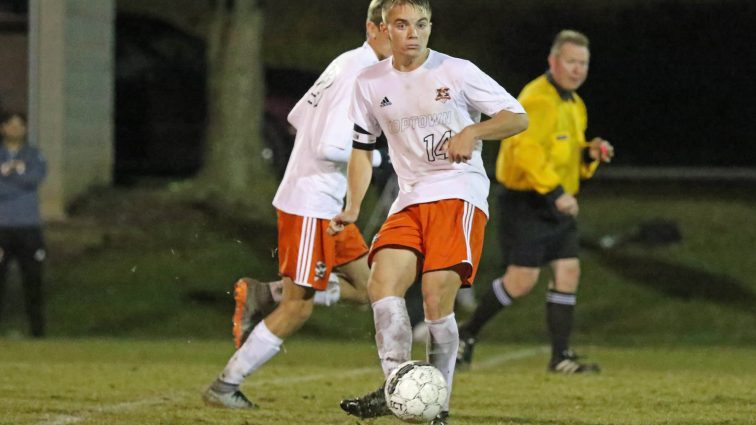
(549, 153)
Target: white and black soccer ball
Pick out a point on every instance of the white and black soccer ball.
(416, 391)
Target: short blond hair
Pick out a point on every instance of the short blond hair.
(420, 4)
(568, 36)
(375, 11)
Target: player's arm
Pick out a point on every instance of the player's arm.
(336, 145)
(501, 126)
(359, 173)
(338, 154)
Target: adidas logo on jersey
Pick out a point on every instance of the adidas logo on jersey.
(385, 102)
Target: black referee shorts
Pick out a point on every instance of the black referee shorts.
(532, 232)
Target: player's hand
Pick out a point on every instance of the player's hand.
(341, 220)
(601, 150)
(567, 204)
(459, 148)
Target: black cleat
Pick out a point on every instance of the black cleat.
(568, 364)
(465, 352)
(370, 405)
(441, 419)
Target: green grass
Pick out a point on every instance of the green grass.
(146, 263)
(132, 381)
(673, 326)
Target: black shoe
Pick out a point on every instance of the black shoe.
(465, 352)
(371, 405)
(441, 419)
(568, 364)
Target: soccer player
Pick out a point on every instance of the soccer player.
(541, 170)
(311, 192)
(428, 105)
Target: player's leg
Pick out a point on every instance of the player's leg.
(253, 301)
(453, 233)
(439, 292)
(394, 267)
(306, 254)
(265, 341)
(352, 266)
(353, 278)
(393, 271)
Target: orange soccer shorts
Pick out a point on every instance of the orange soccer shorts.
(446, 235)
(307, 253)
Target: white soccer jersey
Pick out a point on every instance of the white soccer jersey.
(419, 111)
(313, 186)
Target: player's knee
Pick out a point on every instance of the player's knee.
(298, 310)
(437, 304)
(378, 288)
(520, 282)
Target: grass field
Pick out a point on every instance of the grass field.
(139, 263)
(101, 381)
(673, 325)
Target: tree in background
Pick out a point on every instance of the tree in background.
(234, 168)
(234, 173)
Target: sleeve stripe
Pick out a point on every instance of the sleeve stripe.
(358, 129)
(363, 146)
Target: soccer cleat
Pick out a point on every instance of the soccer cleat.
(568, 364)
(370, 405)
(254, 301)
(231, 400)
(465, 352)
(441, 419)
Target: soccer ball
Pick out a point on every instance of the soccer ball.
(416, 391)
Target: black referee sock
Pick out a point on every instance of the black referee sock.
(492, 302)
(560, 311)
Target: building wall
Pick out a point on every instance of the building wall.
(13, 81)
(71, 96)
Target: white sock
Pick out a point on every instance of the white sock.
(260, 347)
(276, 290)
(331, 294)
(442, 348)
(393, 333)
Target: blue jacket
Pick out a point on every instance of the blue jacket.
(19, 203)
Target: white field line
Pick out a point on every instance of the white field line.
(131, 405)
(509, 357)
(111, 408)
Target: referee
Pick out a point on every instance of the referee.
(541, 170)
(22, 169)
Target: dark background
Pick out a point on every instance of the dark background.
(671, 82)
